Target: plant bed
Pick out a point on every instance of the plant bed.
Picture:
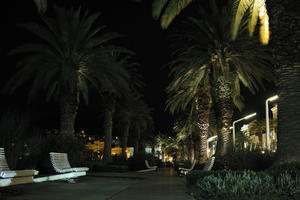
(239, 185)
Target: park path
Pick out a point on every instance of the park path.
(161, 185)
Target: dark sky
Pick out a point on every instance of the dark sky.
(144, 36)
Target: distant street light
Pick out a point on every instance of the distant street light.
(273, 98)
(233, 126)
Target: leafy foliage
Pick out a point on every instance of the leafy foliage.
(20, 139)
(69, 55)
(257, 10)
(247, 160)
(137, 162)
(205, 52)
(73, 146)
(245, 185)
(235, 186)
(291, 168)
(167, 10)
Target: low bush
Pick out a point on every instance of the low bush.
(234, 186)
(245, 160)
(195, 175)
(238, 185)
(73, 146)
(137, 162)
(291, 168)
(20, 139)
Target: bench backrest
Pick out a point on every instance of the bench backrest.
(209, 164)
(59, 161)
(147, 164)
(193, 165)
(3, 162)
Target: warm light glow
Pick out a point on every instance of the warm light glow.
(244, 127)
(248, 116)
(212, 138)
(273, 98)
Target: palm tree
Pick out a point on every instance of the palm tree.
(118, 88)
(141, 125)
(207, 53)
(187, 138)
(285, 42)
(186, 94)
(132, 112)
(167, 10)
(41, 6)
(68, 56)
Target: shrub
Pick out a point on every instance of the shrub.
(73, 146)
(238, 185)
(234, 186)
(20, 139)
(193, 177)
(291, 168)
(245, 160)
(137, 162)
(287, 187)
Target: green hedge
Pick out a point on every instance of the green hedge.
(238, 185)
(291, 168)
(194, 176)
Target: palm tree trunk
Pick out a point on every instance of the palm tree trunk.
(203, 111)
(68, 112)
(196, 142)
(224, 112)
(285, 42)
(108, 125)
(136, 143)
(142, 146)
(124, 139)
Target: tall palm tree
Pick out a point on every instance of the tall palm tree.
(285, 42)
(132, 110)
(141, 125)
(206, 51)
(187, 94)
(68, 55)
(118, 88)
(167, 10)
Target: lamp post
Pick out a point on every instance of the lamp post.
(273, 98)
(236, 121)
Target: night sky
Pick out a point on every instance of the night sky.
(144, 36)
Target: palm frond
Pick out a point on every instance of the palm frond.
(41, 6)
(173, 9)
(157, 7)
(240, 7)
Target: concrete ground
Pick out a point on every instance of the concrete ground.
(161, 185)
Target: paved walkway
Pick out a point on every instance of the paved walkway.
(161, 185)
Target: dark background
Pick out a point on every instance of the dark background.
(144, 36)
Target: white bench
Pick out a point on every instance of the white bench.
(209, 164)
(61, 165)
(185, 171)
(13, 177)
(207, 167)
(149, 168)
